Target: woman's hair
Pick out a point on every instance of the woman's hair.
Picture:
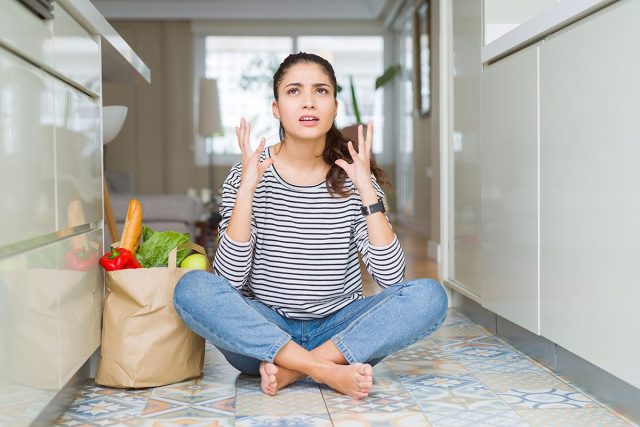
(336, 146)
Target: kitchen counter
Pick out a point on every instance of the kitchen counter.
(119, 62)
(559, 16)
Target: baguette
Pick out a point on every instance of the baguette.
(132, 227)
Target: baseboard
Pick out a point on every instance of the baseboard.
(614, 392)
(475, 311)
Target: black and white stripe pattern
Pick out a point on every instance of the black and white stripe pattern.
(302, 258)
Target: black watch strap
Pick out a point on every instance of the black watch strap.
(371, 209)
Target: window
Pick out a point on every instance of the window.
(244, 68)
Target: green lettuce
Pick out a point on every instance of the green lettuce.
(156, 246)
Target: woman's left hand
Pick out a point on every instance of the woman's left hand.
(360, 170)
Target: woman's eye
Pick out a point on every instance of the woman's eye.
(292, 90)
(323, 90)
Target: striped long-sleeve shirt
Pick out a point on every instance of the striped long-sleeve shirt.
(302, 257)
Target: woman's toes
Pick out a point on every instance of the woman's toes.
(268, 380)
(361, 395)
(364, 369)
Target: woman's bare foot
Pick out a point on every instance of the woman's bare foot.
(353, 380)
(275, 378)
(268, 379)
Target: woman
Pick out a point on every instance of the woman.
(285, 300)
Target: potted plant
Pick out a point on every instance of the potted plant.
(351, 132)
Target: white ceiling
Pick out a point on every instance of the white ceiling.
(285, 10)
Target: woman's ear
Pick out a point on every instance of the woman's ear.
(275, 109)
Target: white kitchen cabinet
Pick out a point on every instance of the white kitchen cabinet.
(78, 157)
(51, 313)
(509, 129)
(27, 165)
(22, 32)
(590, 208)
(51, 199)
(76, 53)
(464, 234)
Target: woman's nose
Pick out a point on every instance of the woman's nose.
(308, 102)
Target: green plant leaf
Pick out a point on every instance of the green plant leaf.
(356, 110)
(147, 233)
(388, 75)
(154, 252)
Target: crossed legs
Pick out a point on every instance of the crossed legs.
(255, 342)
(325, 364)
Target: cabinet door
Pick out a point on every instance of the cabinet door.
(76, 53)
(509, 129)
(24, 32)
(50, 312)
(464, 237)
(27, 166)
(78, 157)
(590, 184)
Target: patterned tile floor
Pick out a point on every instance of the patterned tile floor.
(459, 376)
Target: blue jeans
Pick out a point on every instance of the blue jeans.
(247, 331)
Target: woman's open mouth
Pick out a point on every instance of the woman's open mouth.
(309, 120)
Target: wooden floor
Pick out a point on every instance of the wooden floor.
(415, 252)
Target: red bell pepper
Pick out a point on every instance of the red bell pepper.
(80, 259)
(119, 259)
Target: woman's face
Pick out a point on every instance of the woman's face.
(306, 103)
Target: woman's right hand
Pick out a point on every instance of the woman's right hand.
(252, 169)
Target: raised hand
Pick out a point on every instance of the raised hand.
(252, 169)
(360, 170)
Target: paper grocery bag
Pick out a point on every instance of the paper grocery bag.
(144, 341)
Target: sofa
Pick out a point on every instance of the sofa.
(176, 212)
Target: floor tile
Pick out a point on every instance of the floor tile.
(427, 367)
(507, 364)
(476, 418)
(546, 398)
(191, 422)
(414, 353)
(167, 408)
(398, 419)
(195, 391)
(299, 403)
(393, 399)
(103, 407)
(451, 393)
(284, 421)
(523, 380)
(458, 376)
(91, 390)
(117, 420)
(463, 330)
(571, 417)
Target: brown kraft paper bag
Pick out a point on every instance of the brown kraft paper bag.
(144, 341)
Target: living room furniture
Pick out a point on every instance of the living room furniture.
(161, 212)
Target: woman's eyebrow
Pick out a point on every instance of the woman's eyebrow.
(302, 84)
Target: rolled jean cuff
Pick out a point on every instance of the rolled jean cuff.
(275, 348)
(339, 342)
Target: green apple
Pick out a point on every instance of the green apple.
(194, 262)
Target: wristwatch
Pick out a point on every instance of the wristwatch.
(371, 209)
